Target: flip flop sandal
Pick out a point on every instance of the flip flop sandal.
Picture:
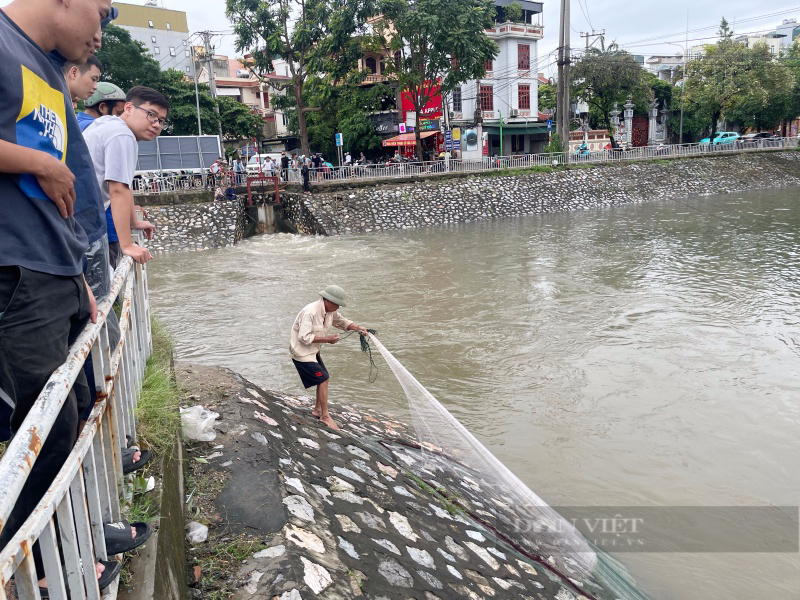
(118, 536)
(128, 466)
(113, 568)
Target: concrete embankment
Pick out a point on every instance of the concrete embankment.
(298, 511)
(439, 201)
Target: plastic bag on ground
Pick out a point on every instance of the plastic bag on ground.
(198, 423)
(196, 533)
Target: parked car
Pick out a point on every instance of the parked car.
(722, 138)
(762, 139)
(256, 163)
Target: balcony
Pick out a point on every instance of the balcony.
(516, 31)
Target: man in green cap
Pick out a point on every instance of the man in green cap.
(309, 331)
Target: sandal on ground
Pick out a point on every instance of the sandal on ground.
(128, 466)
(112, 571)
(118, 536)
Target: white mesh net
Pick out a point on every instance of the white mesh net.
(461, 469)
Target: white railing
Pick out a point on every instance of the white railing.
(156, 182)
(68, 521)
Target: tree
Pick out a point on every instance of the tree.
(312, 36)
(547, 96)
(238, 121)
(183, 105)
(514, 12)
(769, 97)
(438, 44)
(605, 77)
(125, 61)
(737, 83)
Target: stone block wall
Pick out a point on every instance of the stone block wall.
(185, 227)
(384, 206)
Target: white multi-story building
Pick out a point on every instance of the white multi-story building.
(164, 32)
(666, 68)
(506, 99)
(778, 41)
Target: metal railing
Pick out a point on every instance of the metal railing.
(172, 182)
(68, 521)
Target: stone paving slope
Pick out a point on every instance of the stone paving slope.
(348, 518)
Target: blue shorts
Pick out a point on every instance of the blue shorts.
(312, 373)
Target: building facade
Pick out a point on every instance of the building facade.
(504, 103)
(164, 33)
(241, 84)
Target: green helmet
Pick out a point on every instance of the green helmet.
(105, 92)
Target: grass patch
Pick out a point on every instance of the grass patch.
(158, 419)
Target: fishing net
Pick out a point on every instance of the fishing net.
(460, 469)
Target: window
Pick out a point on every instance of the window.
(187, 69)
(518, 143)
(524, 97)
(487, 97)
(171, 51)
(523, 57)
(397, 59)
(185, 42)
(457, 99)
(150, 23)
(153, 39)
(169, 27)
(156, 50)
(187, 53)
(489, 65)
(284, 119)
(371, 65)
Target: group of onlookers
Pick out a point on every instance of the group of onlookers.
(66, 220)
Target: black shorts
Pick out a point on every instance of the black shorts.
(312, 373)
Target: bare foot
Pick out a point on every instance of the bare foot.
(329, 422)
(98, 569)
(315, 413)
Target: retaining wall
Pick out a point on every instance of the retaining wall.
(200, 226)
(384, 206)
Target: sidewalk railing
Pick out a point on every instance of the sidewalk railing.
(68, 522)
(171, 182)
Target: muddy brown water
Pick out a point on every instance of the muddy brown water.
(643, 355)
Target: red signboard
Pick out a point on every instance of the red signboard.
(431, 110)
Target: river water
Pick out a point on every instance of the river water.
(641, 355)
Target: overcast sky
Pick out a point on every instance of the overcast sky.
(633, 24)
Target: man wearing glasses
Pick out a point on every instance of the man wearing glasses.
(112, 144)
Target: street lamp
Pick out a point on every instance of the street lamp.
(683, 85)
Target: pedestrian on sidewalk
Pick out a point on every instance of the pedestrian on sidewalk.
(309, 332)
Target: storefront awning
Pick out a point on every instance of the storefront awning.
(407, 139)
(517, 128)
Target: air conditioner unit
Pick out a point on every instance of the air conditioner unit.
(514, 112)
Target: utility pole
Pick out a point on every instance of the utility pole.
(564, 55)
(196, 93)
(594, 34)
(212, 81)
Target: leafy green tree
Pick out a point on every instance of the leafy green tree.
(434, 40)
(514, 12)
(607, 76)
(126, 61)
(769, 98)
(183, 105)
(238, 121)
(740, 84)
(318, 37)
(547, 96)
